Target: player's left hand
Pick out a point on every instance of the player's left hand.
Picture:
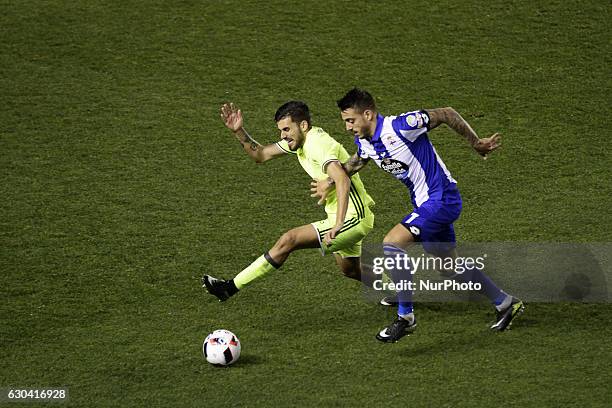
(231, 116)
(487, 145)
(320, 189)
(327, 239)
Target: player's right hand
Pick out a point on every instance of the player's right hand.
(331, 234)
(488, 144)
(231, 116)
(320, 189)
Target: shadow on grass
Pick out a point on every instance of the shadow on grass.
(539, 319)
(250, 360)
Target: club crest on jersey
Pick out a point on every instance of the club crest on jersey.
(417, 120)
(412, 120)
(394, 167)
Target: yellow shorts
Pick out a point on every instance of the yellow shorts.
(348, 242)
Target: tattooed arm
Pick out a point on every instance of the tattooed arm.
(256, 151)
(354, 164)
(453, 119)
(232, 117)
(321, 188)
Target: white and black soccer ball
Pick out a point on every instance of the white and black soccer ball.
(221, 347)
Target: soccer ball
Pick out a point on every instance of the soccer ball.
(221, 347)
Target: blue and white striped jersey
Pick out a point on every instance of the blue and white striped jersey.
(401, 147)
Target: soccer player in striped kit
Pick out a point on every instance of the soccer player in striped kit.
(400, 146)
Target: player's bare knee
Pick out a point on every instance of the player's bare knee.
(399, 237)
(286, 243)
(390, 239)
(350, 267)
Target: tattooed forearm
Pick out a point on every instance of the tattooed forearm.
(454, 120)
(247, 141)
(354, 164)
(252, 145)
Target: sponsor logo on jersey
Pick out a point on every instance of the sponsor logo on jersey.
(394, 167)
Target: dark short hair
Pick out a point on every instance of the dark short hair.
(358, 99)
(296, 110)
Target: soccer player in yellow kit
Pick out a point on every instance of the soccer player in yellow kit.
(349, 217)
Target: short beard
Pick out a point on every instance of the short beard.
(367, 134)
(303, 137)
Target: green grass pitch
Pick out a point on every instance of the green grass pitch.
(120, 187)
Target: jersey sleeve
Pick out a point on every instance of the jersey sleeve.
(411, 124)
(284, 146)
(326, 151)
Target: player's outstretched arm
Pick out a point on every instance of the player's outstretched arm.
(453, 119)
(232, 118)
(343, 186)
